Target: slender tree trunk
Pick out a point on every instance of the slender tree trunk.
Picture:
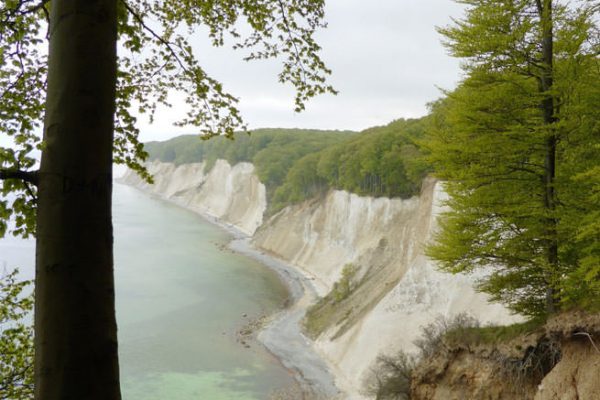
(75, 327)
(549, 115)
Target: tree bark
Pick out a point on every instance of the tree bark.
(75, 327)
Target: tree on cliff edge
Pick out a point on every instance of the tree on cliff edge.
(90, 92)
(514, 141)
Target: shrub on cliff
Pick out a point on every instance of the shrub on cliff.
(16, 339)
(390, 376)
(433, 334)
(343, 287)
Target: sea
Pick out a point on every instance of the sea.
(182, 300)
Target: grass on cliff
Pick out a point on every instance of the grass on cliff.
(320, 315)
(473, 335)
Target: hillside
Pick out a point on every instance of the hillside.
(298, 164)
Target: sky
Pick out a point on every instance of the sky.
(387, 60)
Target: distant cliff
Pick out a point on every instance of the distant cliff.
(234, 195)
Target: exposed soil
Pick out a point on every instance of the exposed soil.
(560, 361)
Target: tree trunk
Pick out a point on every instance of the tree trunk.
(75, 326)
(549, 115)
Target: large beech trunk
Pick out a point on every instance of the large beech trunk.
(75, 326)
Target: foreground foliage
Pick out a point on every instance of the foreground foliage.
(88, 96)
(16, 339)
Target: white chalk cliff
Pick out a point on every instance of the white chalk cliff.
(233, 195)
(401, 289)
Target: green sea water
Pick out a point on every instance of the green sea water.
(181, 298)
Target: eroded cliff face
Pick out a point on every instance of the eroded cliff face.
(233, 195)
(558, 361)
(398, 289)
(576, 375)
(322, 236)
(475, 371)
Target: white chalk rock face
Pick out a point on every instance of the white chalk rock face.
(422, 295)
(169, 179)
(320, 237)
(234, 195)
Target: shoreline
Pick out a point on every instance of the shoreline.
(281, 335)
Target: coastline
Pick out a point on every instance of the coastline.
(281, 336)
(403, 292)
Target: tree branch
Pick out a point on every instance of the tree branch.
(19, 10)
(158, 37)
(39, 6)
(26, 176)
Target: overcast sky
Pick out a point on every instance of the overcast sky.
(386, 59)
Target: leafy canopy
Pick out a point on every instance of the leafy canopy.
(509, 208)
(16, 339)
(156, 58)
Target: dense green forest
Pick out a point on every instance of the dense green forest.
(518, 142)
(297, 164)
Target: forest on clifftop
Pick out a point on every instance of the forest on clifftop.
(298, 164)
